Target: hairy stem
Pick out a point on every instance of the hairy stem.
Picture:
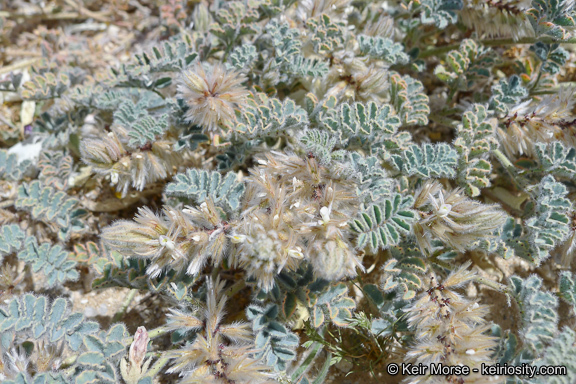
(158, 365)
(235, 288)
(118, 315)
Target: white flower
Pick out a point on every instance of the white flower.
(165, 241)
(113, 177)
(295, 205)
(236, 239)
(296, 253)
(442, 209)
(296, 183)
(325, 213)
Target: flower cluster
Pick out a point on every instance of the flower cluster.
(220, 353)
(450, 330)
(453, 218)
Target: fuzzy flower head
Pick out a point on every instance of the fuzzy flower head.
(211, 95)
(453, 218)
(220, 353)
(450, 329)
(264, 254)
(529, 122)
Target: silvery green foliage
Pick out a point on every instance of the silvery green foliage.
(53, 207)
(440, 12)
(466, 66)
(264, 116)
(537, 236)
(293, 287)
(403, 270)
(288, 58)
(372, 183)
(389, 306)
(539, 312)
(349, 166)
(476, 138)
(142, 127)
(10, 168)
(276, 344)
(237, 155)
(34, 318)
(409, 99)
(43, 378)
(552, 17)
(235, 19)
(130, 272)
(513, 240)
(101, 355)
(302, 66)
(561, 352)
(51, 260)
(165, 57)
(190, 135)
(551, 223)
(567, 288)
(54, 129)
(44, 86)
(242, 57)
(332, 305)
(199, 185)
(326, 35)
(506, 353)
(506, 94)
(428, 161)
(11, 239)
(555, 158)
(130, 76)
(317, 108)
(383, 49)
(380, 226)
(98, 97)
(368, 126)
(11, 83)
(285, 41)
(553, 56)
(321, 144)
(299, 374)
(55, 168)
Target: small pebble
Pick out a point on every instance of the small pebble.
(103, 310)
(89, 312)
(344, 366)
(83, 301)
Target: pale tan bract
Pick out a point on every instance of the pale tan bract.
(211, 95)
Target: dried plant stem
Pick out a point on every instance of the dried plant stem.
(495, 43)
(510, 169)
(494, 285)
(87, 12)
(441, 120)
(235, 288)
(20, 52)
(160, 331)
(7, 122)
(118, 315)
(19, 65)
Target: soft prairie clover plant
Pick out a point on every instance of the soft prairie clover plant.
(269, 188)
